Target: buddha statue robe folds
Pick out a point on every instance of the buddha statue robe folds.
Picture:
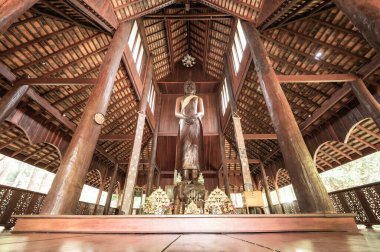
(189, 109)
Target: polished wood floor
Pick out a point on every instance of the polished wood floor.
(365, 240)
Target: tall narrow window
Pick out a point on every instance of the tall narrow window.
(238, 47)
(225, 99)
(152, 98)
(136, 46)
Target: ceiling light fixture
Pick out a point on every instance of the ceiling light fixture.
(188, 61)
(318, 55)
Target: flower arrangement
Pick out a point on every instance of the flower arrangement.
(157, 203)
(218, 203)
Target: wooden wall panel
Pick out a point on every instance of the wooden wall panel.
(173, 83)
(38, 131)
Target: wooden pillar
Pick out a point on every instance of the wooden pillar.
(11, 10)
(135, 155)
(158, 179)
(223, 156)
(220, 179)
(10, 100)
(365, 15)
(247, 179)
(367, 100)
(101, 188)
(311, 193)
(266, 188)
(154, 150)
(110, 190)
(68, 182)
(224, 165)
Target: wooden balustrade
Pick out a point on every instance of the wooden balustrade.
(362, 200)
(18, 201)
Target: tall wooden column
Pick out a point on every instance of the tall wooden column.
(224, 165)
(11, 10)
(266, 187)
(311, 193)
(367, 100)
(110, 190)
(154, 149)
(68, 182)
(239, 138)
(158, 179)
(10, 100)
(135, 155)
(365, 15)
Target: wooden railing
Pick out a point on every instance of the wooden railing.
(18, 201)
(362, 200)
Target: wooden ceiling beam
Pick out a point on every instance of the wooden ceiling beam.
(149, 10)
(371, 133)
(115, 137)
(50, 109)
(196, 17)
(80, 90)
(315, 78)
(237, 161)
(324, 44)
(323, 161)
(65, 49)
(353, 149)
(260, 136)
(325, 65)
(326, 106)
(338, 151)
(169, 44)
(225, 10)
(43, 81)
(206, 45)
(7, 73)
(36, 40)
(330, 157)
(209, 172)
(72, 63)
(122, 6)
(365, 143)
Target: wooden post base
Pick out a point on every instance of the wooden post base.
(185, 223)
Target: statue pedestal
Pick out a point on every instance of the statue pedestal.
(186, 192)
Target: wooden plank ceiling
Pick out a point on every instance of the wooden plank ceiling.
(203, 31)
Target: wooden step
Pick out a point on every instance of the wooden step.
(185, 223)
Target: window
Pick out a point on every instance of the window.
(238, 47)
(136, 46)
(355, 173)
(152, 98)
(224, 96)
(287, 195)
(21, 175)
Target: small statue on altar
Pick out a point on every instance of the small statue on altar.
(189, 109)
(178, 179)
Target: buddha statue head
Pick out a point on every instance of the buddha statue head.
(189, 87)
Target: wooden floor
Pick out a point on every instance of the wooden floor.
(321, 241)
